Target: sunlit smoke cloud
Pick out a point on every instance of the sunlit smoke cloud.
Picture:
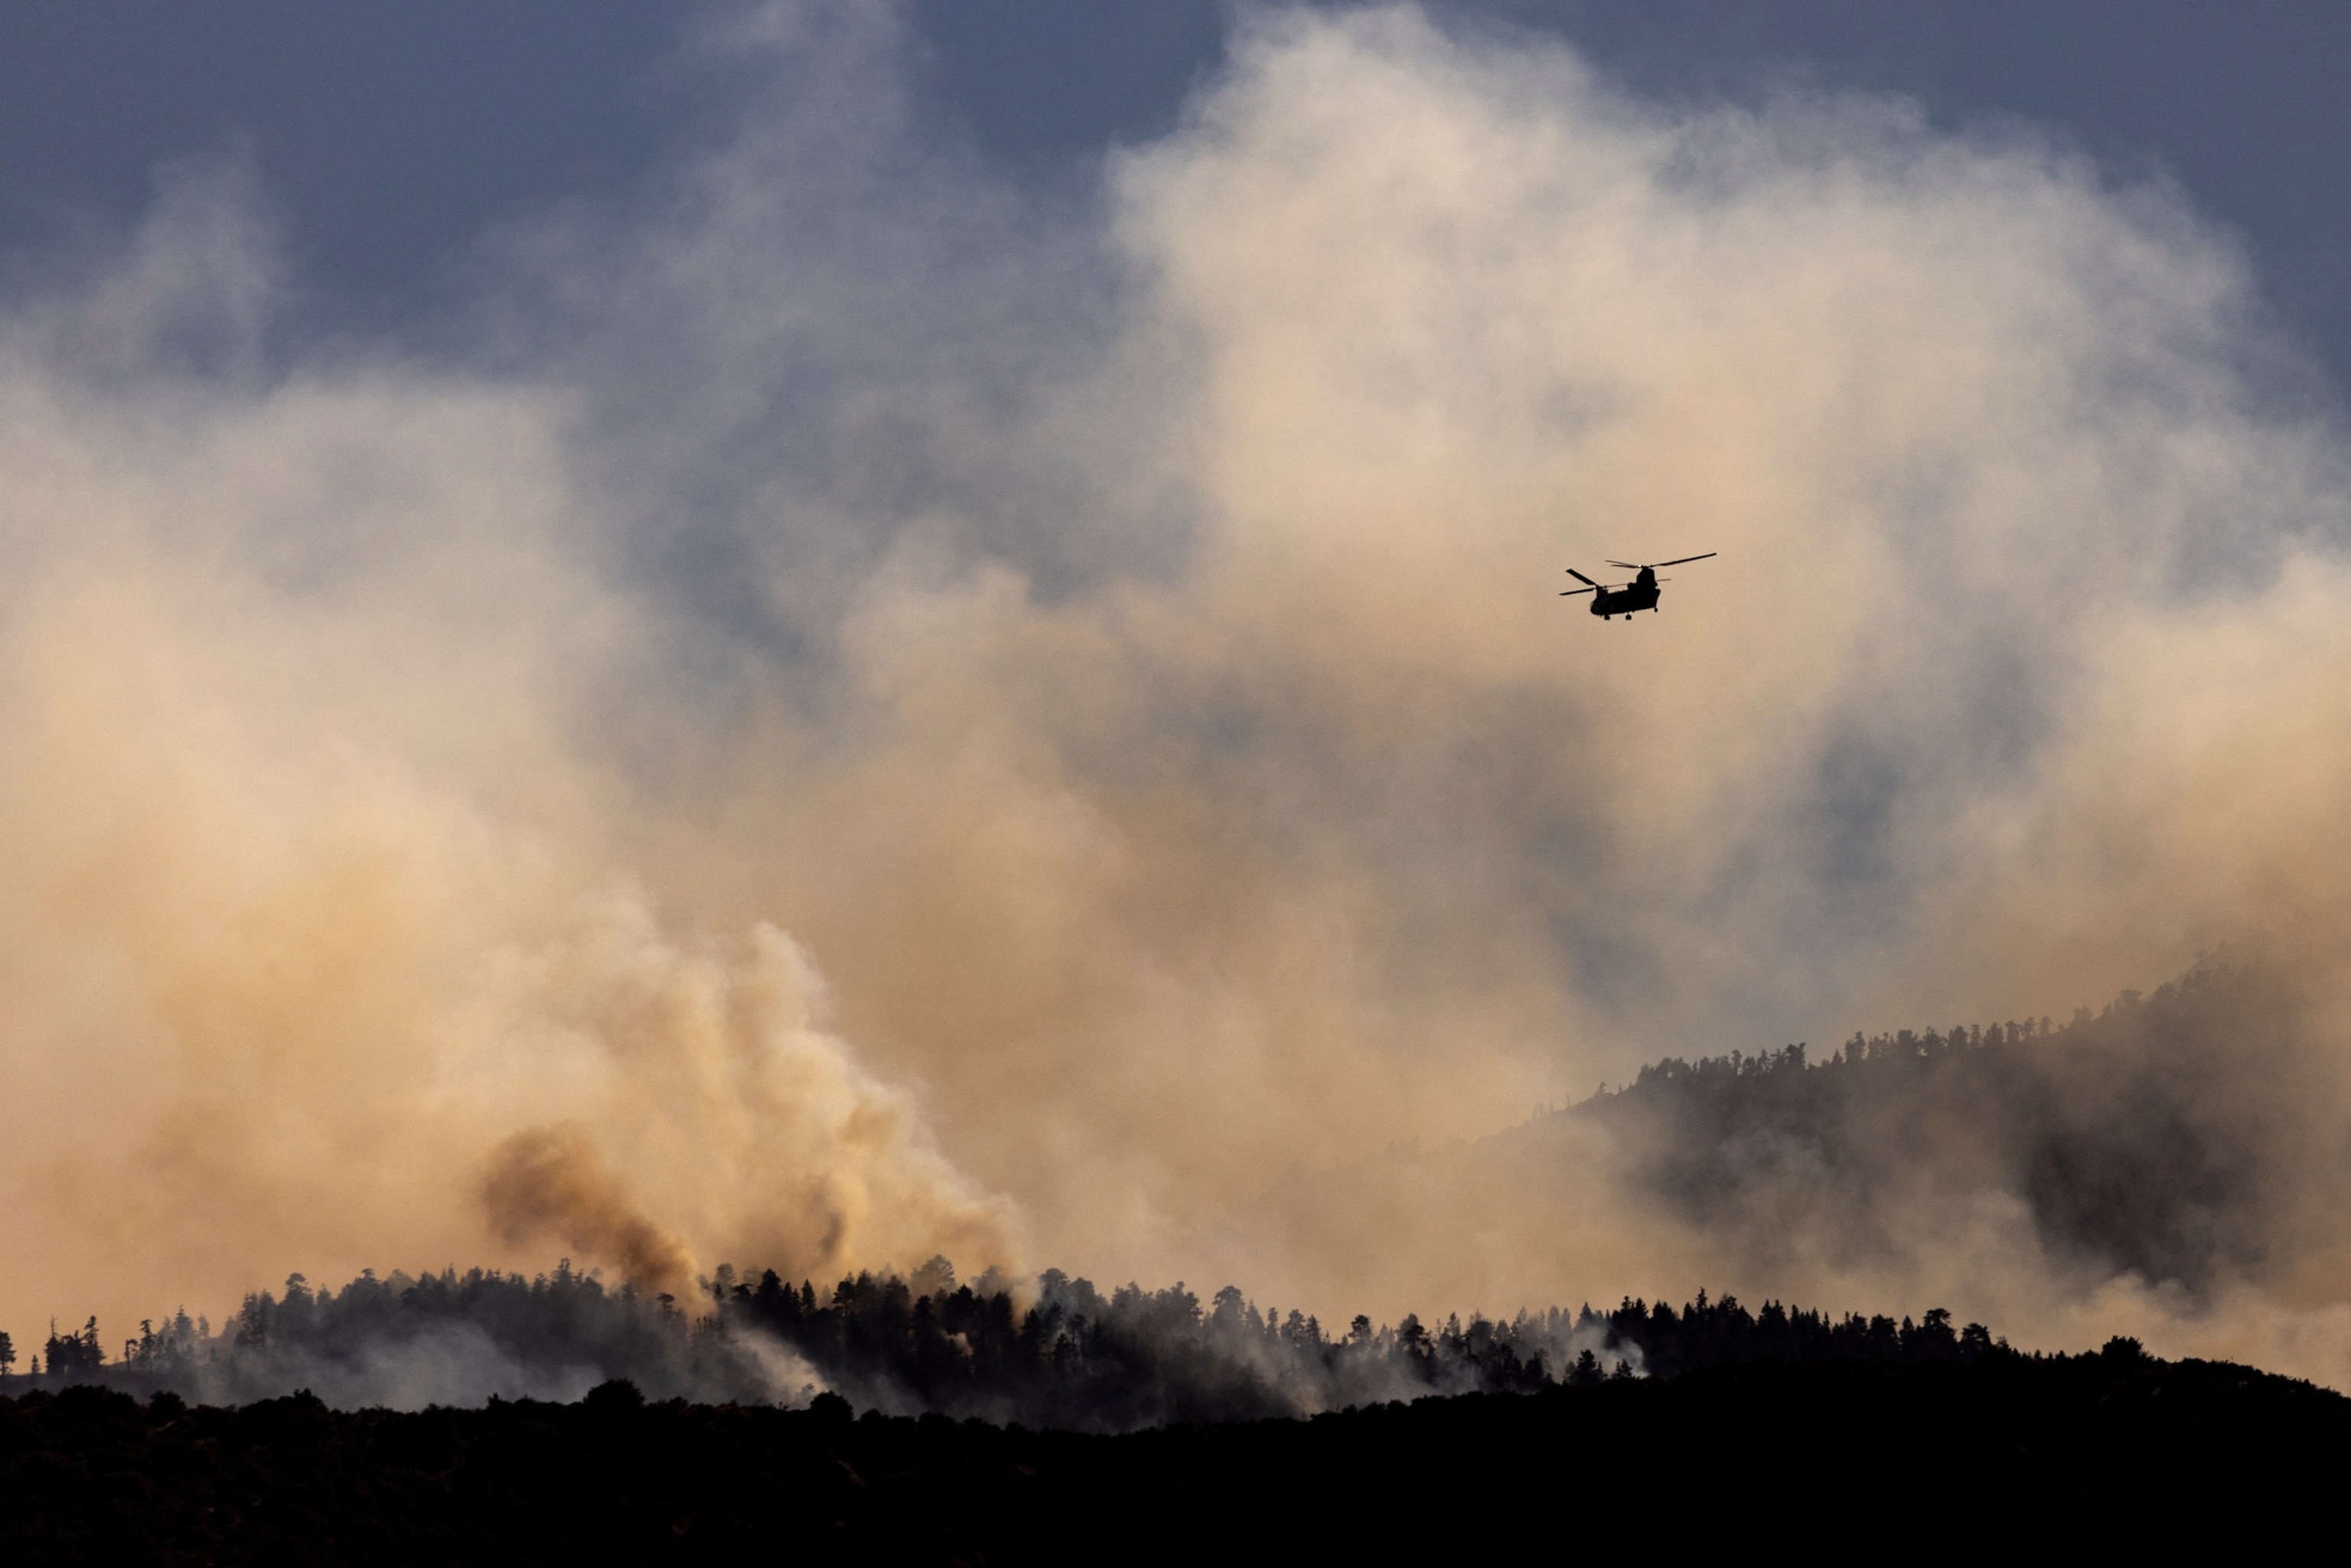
(314, 903)
(1118, 643)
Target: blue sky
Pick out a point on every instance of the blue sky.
(389, 138)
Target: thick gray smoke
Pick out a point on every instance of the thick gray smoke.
(879, 713)
(2190, 1140)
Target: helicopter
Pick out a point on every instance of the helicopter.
(1641, 593)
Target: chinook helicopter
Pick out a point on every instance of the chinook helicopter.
(1641, 593)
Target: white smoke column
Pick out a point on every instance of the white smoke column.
(307, 904)
(751, 1129)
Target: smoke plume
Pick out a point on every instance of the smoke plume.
(1115, 637)
(553, 1181)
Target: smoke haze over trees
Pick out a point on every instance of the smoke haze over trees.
(2124, 1137)
(2190, 1138)
(1074, 1359)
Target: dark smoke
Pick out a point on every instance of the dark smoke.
(554, 1181)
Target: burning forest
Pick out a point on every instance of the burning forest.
(1769, 1146)
(1074, 1359)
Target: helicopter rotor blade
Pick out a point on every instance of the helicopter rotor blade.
(1654, 565)
(1580, 577)
(1573, 591)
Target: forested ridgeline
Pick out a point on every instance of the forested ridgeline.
(2181, 1136)
(2110, 1449)
(1073, 1358)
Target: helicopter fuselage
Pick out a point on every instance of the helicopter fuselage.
(1641, 593)
(1611, 602)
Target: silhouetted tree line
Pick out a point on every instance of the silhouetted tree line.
(1724, 1332)
(449, 1337)
(72, 1356)
(2103, 1450)
(1061, 1355)
(1076, 1358)
(1136, 1358)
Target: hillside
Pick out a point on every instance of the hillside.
(2111, 1444)
(2184, 1137)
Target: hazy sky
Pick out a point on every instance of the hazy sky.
(389, 137)
(830, 631)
